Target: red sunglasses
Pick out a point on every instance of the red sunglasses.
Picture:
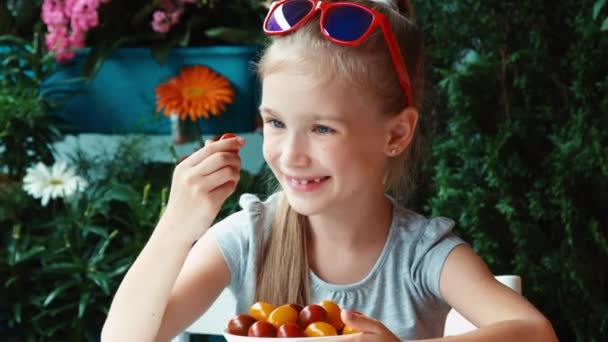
(343, 23)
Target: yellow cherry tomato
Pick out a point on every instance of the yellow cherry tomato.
(333, 314)
(317, 329)
(349, 330)
(283, 314)
(260, 310)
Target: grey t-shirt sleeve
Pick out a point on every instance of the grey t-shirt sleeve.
(435, 243)
(235, 238)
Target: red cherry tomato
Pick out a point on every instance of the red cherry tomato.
(290, 330)
(228, 136)
(239, 324)
(312, 313)
(262, 329)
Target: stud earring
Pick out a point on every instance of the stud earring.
(393, 151)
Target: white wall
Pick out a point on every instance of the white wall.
(93, 144)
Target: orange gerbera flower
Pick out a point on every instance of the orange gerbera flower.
(197, 92)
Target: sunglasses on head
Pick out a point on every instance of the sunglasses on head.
(343, 23)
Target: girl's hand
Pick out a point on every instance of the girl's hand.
(372, 329)
(200, 185)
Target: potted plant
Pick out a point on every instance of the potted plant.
(125, 48)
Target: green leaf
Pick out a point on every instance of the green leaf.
(82, 305)
(32, 252)
(17, 312)
(119, 271)
(10, 281)
(604, 25)
(598, 7)
(14, 40)
(57, 291)
(101, 280)
(99, 231)
(64, 268)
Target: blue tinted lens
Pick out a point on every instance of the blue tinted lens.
(287, 15)
(347, 23)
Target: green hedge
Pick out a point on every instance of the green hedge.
(521, 155)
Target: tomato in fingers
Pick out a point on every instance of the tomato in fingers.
(228, 136)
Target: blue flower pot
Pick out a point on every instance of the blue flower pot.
(121, 99)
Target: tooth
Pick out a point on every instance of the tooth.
(317, 180)
(304, 182)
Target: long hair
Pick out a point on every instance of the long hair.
(282, 267)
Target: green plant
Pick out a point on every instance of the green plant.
(60, 267)
(27, 130)
(521, 160)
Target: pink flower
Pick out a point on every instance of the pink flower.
(56, 40)
(85, 21)
(80, 14)
(77, 39)
(161, 22)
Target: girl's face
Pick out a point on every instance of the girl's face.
(324, 143)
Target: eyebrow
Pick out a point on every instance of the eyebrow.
(315, 116)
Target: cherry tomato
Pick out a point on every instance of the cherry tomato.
(283, 314)
(320, 329)
(262, 329)
(239, 324)
(349, 330)
(260, 310)
(228, 136)
(290, 330)
(333, 314)
(312, 313)
(297, 307)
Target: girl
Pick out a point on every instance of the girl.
(342, 83)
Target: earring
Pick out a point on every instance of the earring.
(393, 151)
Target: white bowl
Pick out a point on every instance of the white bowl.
(237, 338)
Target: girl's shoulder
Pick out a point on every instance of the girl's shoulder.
(422, 232)
(253, 217)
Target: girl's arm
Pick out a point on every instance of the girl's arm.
(202, 278)
(500, 313)
(144, 305)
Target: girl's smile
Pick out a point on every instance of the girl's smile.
(305, 184)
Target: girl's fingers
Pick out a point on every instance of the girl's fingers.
(212, 147)
(216, 162)
(219, 194)
(218, 178)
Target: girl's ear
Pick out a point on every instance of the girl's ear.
(401, 130)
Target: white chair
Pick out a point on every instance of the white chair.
(455, 324)
(215, 319)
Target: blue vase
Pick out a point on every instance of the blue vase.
(121, 99)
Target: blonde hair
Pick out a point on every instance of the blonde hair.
(282, 268)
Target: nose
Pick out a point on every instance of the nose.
(294, 151)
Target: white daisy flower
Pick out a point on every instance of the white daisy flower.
(60, 181)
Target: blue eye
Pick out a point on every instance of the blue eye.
(323, 129)
(276, 123)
